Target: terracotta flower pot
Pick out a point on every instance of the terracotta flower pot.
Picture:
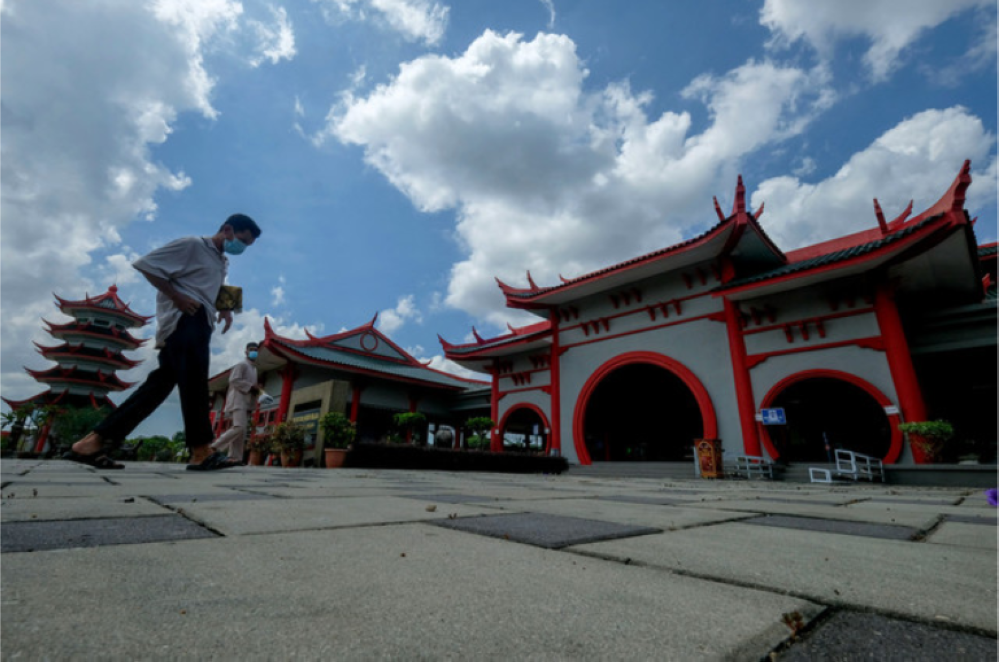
(292, 459)
(256, 458)
(335, 457)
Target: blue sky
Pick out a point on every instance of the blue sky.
(400, 154)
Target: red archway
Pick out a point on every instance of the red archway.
(896, 437)
(707, 410)
(537, 411)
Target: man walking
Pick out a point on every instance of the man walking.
(239, 403)
(188, 274)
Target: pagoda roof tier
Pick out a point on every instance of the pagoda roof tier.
(524, 338)
(93, 354)
(107, 303)
(737, 237)
(99, 379)
(935, 251)
(124, 338)
(62, 398)
(364, 350)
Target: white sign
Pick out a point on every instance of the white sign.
(892, 410)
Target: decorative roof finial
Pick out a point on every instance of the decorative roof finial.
(718, 209)
(531, 283)
(475, 334)
(740, 201)
(881, 217)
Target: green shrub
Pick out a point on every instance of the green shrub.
(338, 430)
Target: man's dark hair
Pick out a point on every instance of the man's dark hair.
(241, 222)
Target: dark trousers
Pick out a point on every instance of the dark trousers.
(183, 362)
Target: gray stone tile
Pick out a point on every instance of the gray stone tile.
(38, 536)
(886, 531)
(451, 498)
(971, 519)
(178, 499)
(544, 530)
(850, 635)
(653, 501)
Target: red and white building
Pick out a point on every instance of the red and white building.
(849, 338)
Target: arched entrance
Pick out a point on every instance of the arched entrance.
(524, 428)
(641, 406)
(826, 410)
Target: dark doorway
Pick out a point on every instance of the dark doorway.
(641, 412)
(960, 387)
(524, 431)
(825, 414)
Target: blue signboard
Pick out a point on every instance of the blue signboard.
(774, 416)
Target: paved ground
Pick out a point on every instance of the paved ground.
(154, 562)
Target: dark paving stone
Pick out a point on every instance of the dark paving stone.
(451, 498)
(542, 530)
(38, 536)
(653, 501)
(192, 498)
(886, 531)
(971, 519)
(849, 636)
(915, 502)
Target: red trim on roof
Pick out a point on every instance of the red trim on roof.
(95, 303)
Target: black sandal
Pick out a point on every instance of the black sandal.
(98, 460)
(213, 462)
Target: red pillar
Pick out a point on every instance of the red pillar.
(43, 436)
(897, 354)
(355, 402)
(555, 415)
(287, 381)
(495, 407)
(741, 377)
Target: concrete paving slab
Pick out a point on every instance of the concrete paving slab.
(665, 518)
(886, 531)
(930, 509)
(276, 515)
(452, 498)
(544, 530)
(919, 580)
(408, 592)
(851, 635)
(37, 536)
(26, 510)
(914, 519)
(964, 535)
(971, 519)
(185, 499)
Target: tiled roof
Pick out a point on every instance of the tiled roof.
(617, 267)
(831, 258)
(390, 368)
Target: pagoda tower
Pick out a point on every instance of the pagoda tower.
(90, 354)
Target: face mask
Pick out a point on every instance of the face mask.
(234, 246)
(252, 356)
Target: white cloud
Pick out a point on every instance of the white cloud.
(87, 89)
(547, 176)
(277, 295)
(415, 20)
(550, 6)
(392, 319)
(917, 159)
(274, 42)
(889, 25)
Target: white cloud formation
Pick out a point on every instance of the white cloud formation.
(274, 42)
(550, 6)
(392, 319)
(88, 87)
(917, 159)
(415, 20)
(547, 176)
(889, 25)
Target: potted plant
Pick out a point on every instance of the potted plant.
(480, 427)
(927, 439)
(411, 425)
(259, 445)
(338, 435)
(289, 440)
